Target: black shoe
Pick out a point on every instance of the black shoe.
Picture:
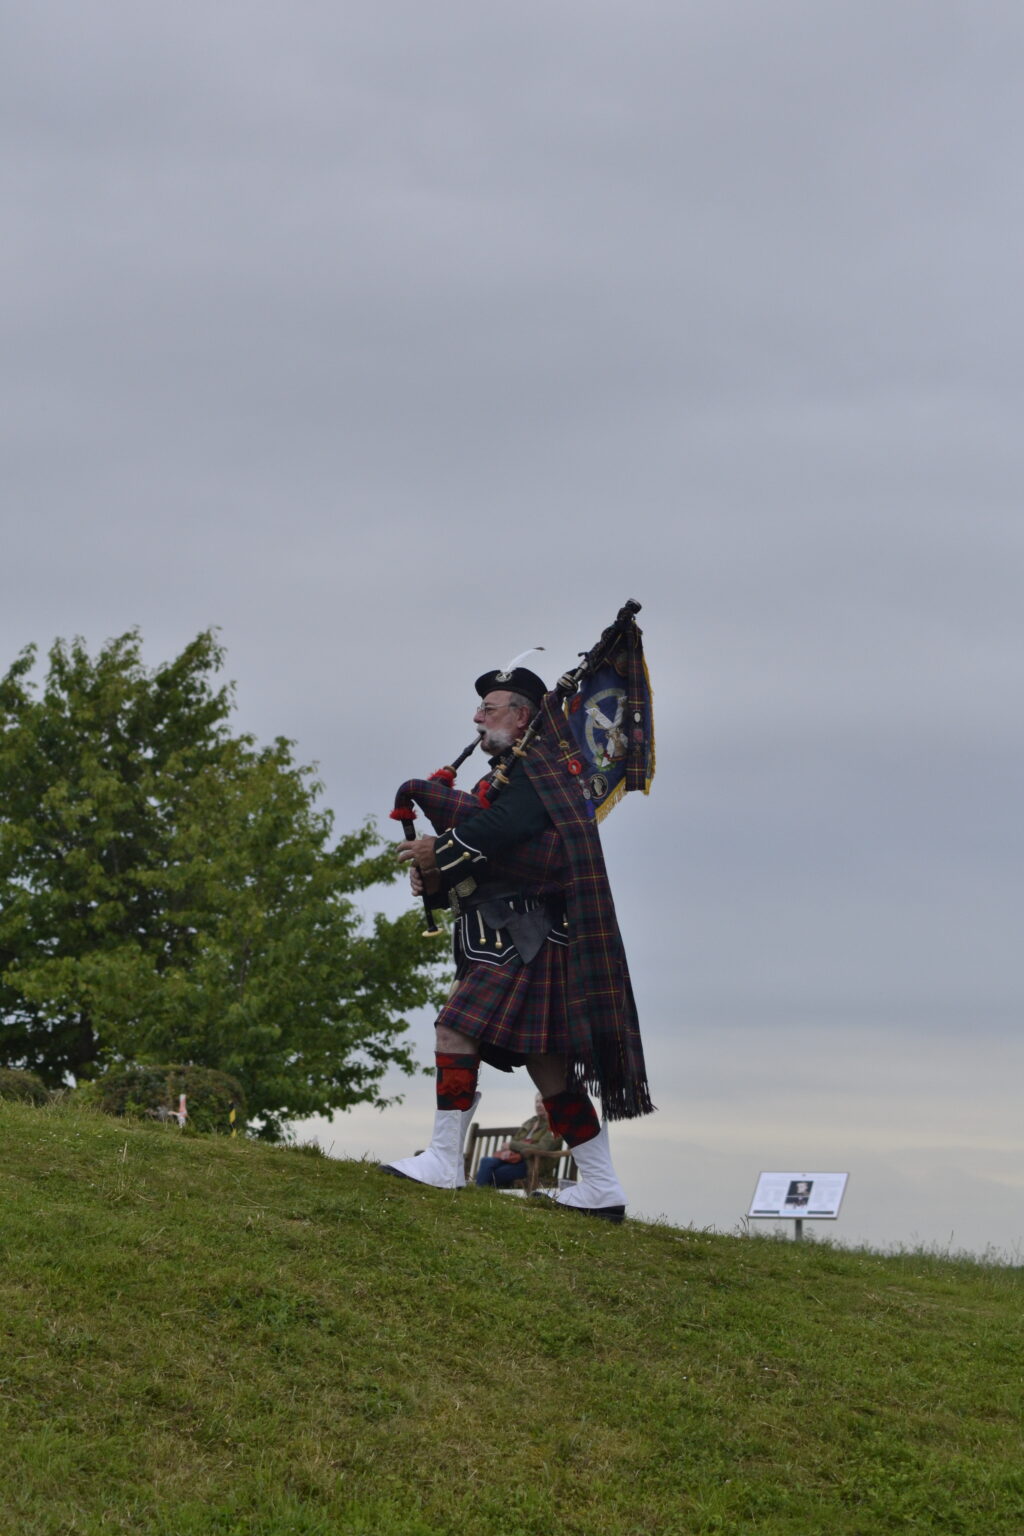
(616, 1213)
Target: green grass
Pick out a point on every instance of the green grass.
(203, 1337)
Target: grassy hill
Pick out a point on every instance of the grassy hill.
(210, 1338)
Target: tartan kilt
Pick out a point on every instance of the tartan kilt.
(512, 1011)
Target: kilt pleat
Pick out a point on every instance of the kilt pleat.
(516, 1010)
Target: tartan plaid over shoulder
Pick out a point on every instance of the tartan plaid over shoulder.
(605, 1051)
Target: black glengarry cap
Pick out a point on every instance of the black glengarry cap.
(518, 680)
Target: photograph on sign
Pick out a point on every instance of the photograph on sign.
(816, 1196)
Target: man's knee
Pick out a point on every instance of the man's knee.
(450, 1040)
(548, 1073)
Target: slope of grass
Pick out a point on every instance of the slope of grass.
(211, 1338)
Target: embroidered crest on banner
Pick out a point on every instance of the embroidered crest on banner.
(603, 731)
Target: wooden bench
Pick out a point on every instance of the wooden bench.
(539, 1168)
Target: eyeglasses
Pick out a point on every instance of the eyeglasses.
(490, 709)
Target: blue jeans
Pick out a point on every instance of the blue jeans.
(496, 1171)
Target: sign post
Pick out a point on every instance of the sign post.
(799, 1197)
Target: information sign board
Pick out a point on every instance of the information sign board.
(807, 1196)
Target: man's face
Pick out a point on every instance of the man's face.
(498, 722)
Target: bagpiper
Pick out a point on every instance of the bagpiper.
(541, 978)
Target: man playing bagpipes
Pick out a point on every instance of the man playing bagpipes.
(541, 974)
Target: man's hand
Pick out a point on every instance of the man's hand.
(508, 1156)
(418, 854)
(418, 851)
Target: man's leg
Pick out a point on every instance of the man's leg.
(548, 1073)
(458, 1067)
(458, 1064)
(573, 1117)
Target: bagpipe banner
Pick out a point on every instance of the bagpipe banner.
(611, 720)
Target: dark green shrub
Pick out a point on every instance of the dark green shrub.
(134, 1089)
(16, 1084)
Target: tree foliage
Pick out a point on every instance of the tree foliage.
(170, 891)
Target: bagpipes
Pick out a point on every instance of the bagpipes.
(405, 812)
(610, 756)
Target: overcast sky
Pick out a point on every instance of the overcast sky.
(394, 340)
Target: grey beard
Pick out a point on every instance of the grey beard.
(494, 742)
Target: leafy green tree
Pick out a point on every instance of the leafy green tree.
(171, 891)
